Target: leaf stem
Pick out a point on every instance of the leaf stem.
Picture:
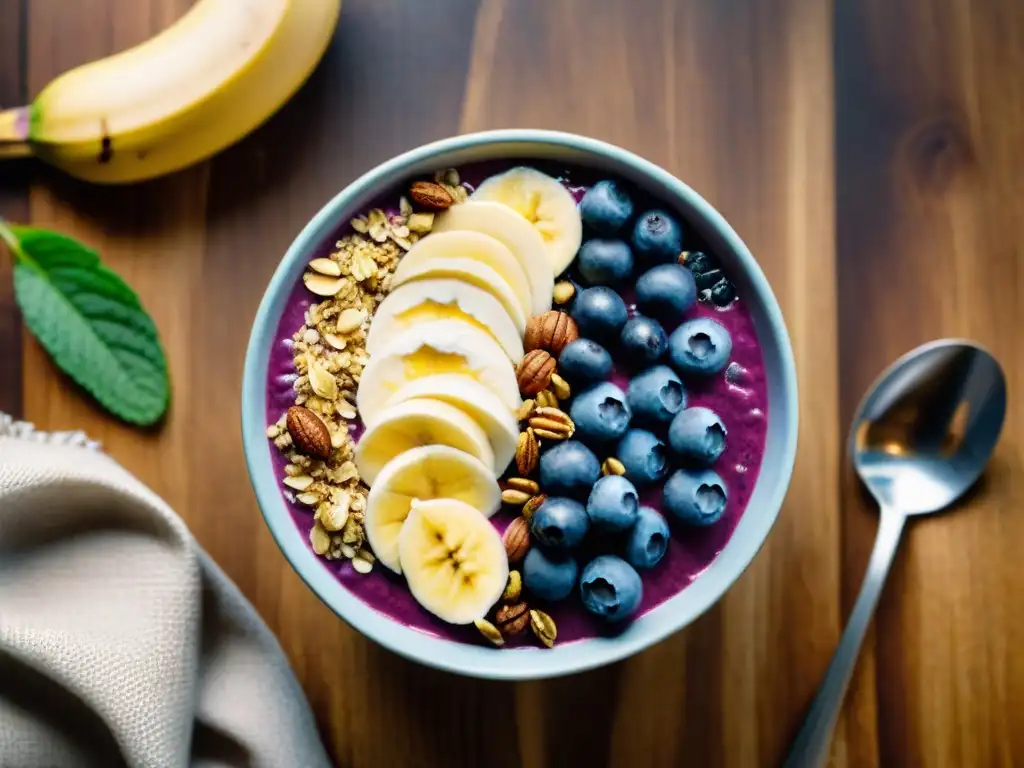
(11, 241)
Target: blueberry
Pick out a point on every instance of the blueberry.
(569, 469)
(613, 503)
(657, 238)
(606, 208)
(696, 498)
(584, 362)
(610, 588)
(698, 262)
(643, 456)
(698, 435)
(666, 291)
(599, 312)
(604, 262)
(723, 293)
(643, 340)
(700, 346)
(560, 523)
(549, 575)
(656, 396)
(600, 414)
(647, 540)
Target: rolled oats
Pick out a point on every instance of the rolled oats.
(334, 341)
(350, 319)
(310, 499)
(322, 285)
(298, 482)
(319, 539)
(326, 267)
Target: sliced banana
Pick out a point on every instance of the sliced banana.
(478, 402)
(545, 203)
(430, 472)
(443, 299)
(453, 559)
(426, 349)
(478, 247)
(519, 236)
(420, 421)
(468, 271)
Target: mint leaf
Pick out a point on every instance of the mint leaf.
(90, 322)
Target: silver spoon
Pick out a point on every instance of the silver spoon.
(920, 438)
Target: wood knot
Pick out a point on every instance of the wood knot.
(940, 151)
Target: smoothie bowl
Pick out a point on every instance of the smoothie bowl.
(518, 404)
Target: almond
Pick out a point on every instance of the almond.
(546, 399)
(308, 432)
(517, 540)
(534, 372)
(551, 331)
(560, 387)
(612, 466)
(524, 484)
(514, 497)
(525, 410)
(543, 627)
(431, 196)
(514, 587)
(489, 631)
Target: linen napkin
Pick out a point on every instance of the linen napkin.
(121, 642)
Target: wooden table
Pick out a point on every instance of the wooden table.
(871, 154)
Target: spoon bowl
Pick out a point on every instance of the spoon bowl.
(924, 432)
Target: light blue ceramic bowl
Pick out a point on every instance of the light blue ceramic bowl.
(669, 617)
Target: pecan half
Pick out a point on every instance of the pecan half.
(550, 331)
(534, 372)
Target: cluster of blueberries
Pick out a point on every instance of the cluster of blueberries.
(583, 509)
(656, 238)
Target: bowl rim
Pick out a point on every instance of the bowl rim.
(482, 661)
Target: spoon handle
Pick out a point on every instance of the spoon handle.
(811, 747)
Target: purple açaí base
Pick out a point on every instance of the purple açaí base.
(739, 396)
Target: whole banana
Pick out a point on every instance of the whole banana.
(197, 87)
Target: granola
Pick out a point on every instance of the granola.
(329, 354)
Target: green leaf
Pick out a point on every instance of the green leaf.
(90, 322)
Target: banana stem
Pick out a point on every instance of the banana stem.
(14, 139)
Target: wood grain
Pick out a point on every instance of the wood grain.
(930, 142)
(871, 159)
(13, 200)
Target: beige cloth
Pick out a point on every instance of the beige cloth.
(121, 642)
